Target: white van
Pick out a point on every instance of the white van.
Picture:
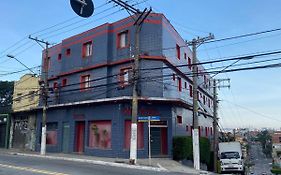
(231, 159)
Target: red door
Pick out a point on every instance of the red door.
(79, 137)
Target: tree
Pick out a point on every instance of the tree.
(265, 138)
(6, 96)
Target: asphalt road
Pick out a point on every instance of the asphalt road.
(20, 165)
(262, 164)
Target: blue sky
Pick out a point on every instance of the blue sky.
(254, 97)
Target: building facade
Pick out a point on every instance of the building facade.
(276, 148)
(90, 77)
(23, 119)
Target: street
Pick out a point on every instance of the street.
(15, 165)
(261, 163)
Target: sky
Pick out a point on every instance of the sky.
(254, 98)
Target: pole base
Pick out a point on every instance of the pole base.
(132, 161)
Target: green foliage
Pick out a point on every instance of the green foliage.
(265, 138)
(6, 96)
(182, 149)
(275, 171)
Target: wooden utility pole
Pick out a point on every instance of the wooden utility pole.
(217, 84)
(140, 17)
(44, 93)
(196, 42)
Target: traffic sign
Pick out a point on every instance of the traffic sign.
(83, 8)
(147, 118)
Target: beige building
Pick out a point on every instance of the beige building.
(26, 93)
(23, 120)
(276, 148)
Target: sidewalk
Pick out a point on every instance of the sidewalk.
(157, 164)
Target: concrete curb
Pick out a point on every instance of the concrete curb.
(96, 162)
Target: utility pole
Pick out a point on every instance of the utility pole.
(217, 84)
(140, 17)
(44, 92)
(195, 43)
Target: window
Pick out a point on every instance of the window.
(123, 39)
(64, 82)
(125, 76)
(174, 77)
(211, 131)
(204, 99)
(186, 128)
(185, 56)
(52, 133)
(178, 51)
(185, 85)
(100, 134)
(179, 119)
(59, 56)
(85, 82)
(209, 102)
(179, 84)
(55, 85)
(199, 131)
(68, 52)
(189, 63)
(206, 131)
(190, 91)
(280, 139)
(140, 137)
(87, 49)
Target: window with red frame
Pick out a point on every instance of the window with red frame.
(125, 76)
(179, 119)
(178, 51)
(64, 82)
(87, 49)
(127, 135)
(52, 133)
(55, 85)
(68, 52)
(190, 91)
(189, 63)
(123, 39)
(85, 82)
(59, 56)
(206, 131)
(100, 134)
(211, 131)
(179, 84)
(199, 131)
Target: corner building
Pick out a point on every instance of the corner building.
(90, 76)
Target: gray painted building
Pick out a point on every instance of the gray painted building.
(90, 80)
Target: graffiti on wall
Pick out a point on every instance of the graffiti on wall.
(21, 125)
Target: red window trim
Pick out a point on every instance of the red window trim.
(189, 63)
(178, 49)
(68, 52)
(118, 39)
(59, 57)
(55, 85)
(81, 83)
(64, 82)
(84, 49)
(121, 81)
(190, 90)
(179, 119)
(179, 84)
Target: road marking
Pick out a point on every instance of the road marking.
(31, 170)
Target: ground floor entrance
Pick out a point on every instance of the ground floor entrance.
(79, 136)
(159, 139)
(3, 128)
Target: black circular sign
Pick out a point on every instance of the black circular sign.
(84, 11)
